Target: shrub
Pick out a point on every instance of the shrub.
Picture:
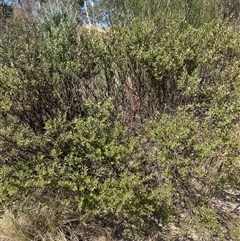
(193, 157)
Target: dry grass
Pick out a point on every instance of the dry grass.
(36, 221)
(47, 223)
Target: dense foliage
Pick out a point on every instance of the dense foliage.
(133, 129)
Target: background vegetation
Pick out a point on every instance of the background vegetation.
(123, 129)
